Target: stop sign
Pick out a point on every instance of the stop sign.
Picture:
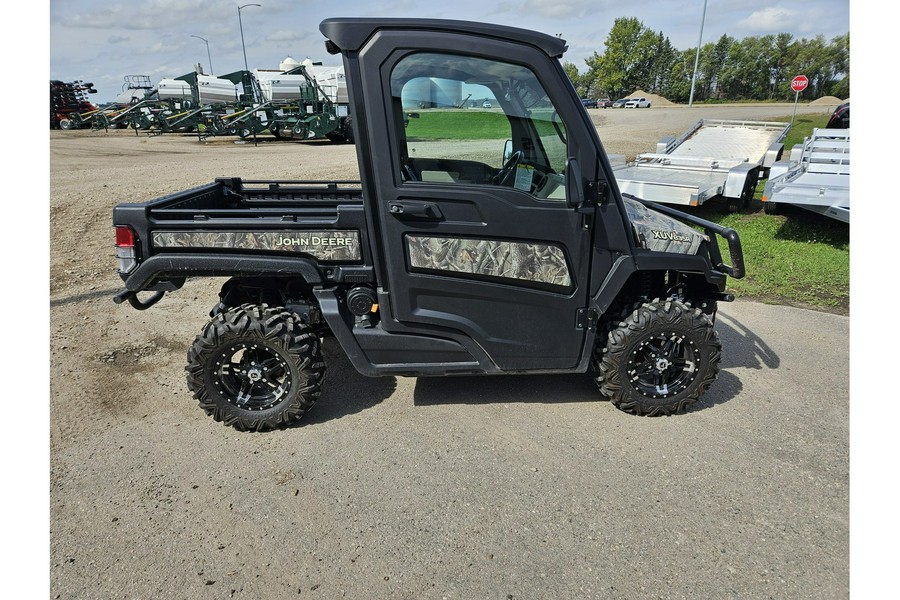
(799, 83)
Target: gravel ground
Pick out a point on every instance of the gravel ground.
(501, 487)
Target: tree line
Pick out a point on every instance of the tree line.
(753, 68)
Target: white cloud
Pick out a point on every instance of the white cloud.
(287, 35)
(772, 18)
(561, 9)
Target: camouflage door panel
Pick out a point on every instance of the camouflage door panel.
(527, 263)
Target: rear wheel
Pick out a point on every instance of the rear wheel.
(659, 360)
(255, 368)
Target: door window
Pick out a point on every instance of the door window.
(469, 120)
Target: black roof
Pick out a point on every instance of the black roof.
(350, 33)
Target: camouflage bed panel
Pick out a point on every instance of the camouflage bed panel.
(329, 246)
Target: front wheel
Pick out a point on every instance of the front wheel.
(659, 360)
(255, 368)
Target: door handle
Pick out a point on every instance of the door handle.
(416, 210)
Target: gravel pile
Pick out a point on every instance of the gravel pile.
(655, 100)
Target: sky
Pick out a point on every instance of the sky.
(102, 41)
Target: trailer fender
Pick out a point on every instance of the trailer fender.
(773, 154)
(740, 178)
(779, 168)
(664, 145)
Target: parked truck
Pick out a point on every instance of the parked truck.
(512, 255)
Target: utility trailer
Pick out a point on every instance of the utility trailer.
(817, 177)
(712, 159)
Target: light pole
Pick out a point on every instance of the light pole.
(207, 52)
(241, 25)
(697, 59)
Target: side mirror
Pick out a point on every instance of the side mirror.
(574, 184)
(507, 152)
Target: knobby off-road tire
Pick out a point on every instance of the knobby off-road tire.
(659, 360)
(255, 368)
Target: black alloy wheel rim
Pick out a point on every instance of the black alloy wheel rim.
(252, 377)
(663, 365)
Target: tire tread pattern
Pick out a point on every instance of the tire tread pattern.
(276, 328)
(644, 320)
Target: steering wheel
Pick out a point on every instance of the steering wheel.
(505, 175)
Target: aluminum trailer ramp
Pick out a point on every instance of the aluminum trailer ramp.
(713, 158)
(816, 178)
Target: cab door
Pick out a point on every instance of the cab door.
(480, 239)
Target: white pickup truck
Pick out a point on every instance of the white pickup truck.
(638, 103)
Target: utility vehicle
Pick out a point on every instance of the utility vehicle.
(510, 254)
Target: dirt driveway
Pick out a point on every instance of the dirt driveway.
(507, 487)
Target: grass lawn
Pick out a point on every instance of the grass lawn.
(472, 124)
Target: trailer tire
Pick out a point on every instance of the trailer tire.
(658, 361)
(256, 368)
(66, 124)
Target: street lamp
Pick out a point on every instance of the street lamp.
(241, 25)
(697, 59)
(207, 52)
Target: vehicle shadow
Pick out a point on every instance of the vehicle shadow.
(502, 389)
(107, 293)
(804, 226)
(742, 347)
(345, 391)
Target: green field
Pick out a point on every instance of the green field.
(457, 125)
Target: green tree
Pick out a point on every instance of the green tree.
(664, 57)
(753, 68)
(679, 86)
(783, 50)
(627, 61)
(575, 77)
